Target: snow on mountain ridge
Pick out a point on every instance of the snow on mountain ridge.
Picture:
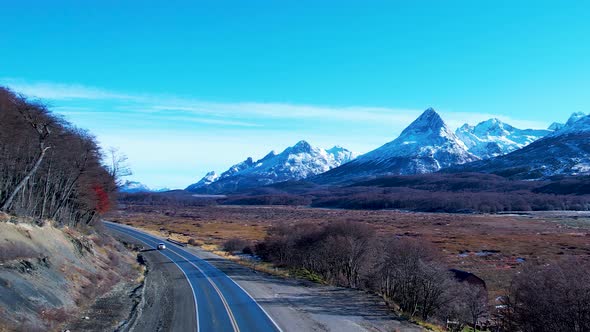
(577, 123)
(574, 118)
(565, 151)
(492, 138)
(418, 139)
(556, 126)
(133, 187)
(294, 163)
(425, 146)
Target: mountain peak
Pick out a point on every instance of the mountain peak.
(269, 155)
(429, 113)
(555, 126)
(133, 187)
(297, 162)
(493, 121)
(426, 145)
(466, 126)
(301, 146)
(428, 121)
(492, 138)
(493, 127)
(575, 117)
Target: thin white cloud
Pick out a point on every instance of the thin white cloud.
(215, 121)
(146, 127)
(58, 91)
(231, 113)
(157, 103)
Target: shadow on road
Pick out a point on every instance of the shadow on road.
(316, 299)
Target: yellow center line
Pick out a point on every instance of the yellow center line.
(223, 300)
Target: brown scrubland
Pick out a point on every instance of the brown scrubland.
(494, 247)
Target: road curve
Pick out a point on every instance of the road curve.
(221, 304)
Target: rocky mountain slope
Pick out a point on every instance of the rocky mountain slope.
(493, 138)
(295, 163)
(49, 276)
(425, 146)
(564, 152)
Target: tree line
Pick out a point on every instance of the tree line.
(438, 192)
(50, 169)
(411, 276)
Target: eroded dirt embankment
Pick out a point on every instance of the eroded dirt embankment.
(53, 279)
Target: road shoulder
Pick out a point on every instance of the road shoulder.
(303, 306)
(165, 305)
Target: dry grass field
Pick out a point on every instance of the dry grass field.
(491, 246)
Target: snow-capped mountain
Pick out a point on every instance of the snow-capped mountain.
(133, 187)
(494, 138)
(575, 117)
(295, 163)
(556, 126)
(563, 152)
(425, 146)
(205, 181)
(577, 123)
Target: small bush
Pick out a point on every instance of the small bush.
(247, 250)
(308, 275)
(235, 244)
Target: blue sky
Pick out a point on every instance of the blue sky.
(184, 87)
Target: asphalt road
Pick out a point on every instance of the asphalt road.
(220, 303)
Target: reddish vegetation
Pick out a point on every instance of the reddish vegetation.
(103, 202)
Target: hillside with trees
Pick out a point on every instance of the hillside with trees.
(55, 261)
(50, 169)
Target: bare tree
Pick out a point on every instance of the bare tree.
(35, 117)
(552, 297)
(118, 165)
(470, 304)
(410, 274)
(49, 168)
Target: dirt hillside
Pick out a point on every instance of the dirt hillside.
(50, 278)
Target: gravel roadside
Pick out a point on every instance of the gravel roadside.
(305, 306)
(164, 305)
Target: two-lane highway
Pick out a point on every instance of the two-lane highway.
(221, 304)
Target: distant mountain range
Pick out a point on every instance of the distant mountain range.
(295, 163)
(565, 151)
(138, 187)
(133, 187)
(493, 138)
(427, 145)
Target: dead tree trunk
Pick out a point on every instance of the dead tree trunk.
(23, 181)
